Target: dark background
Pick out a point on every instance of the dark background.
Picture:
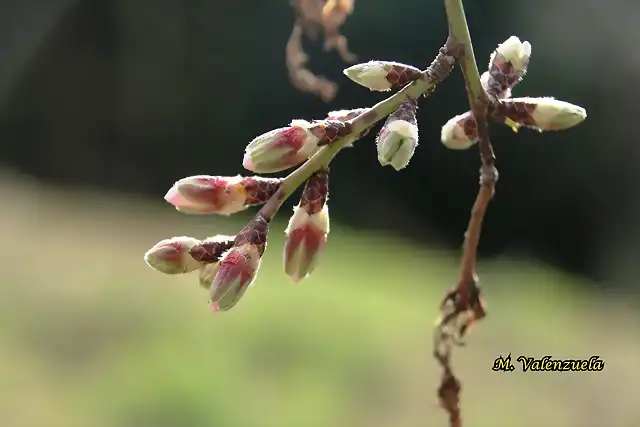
(133, 95)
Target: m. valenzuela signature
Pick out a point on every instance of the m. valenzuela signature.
(548, 364)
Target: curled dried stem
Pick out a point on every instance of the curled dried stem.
(312, 17)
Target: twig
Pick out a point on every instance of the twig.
(429, 79)
(230, 273)
(462, 306)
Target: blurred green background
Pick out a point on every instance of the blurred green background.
(105, 103)
(93, 337)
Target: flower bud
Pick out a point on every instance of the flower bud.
(204, 194)
(542, 114)
(171, 256)
(210, 250)
(460, 132)
(306, 234)
(398, 137)
(514, 51)
(281, 148)
(490, 85)
(507, 66)
(382, 75)
(237, 267)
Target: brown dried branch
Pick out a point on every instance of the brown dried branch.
(312, 17)
(334, 15)
(301, 77)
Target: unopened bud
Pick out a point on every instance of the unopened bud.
(460, 132)
(233, 275)
(239, 266)
(492, 87)
(346, 115)
(542, 114)
(281, 148)
(382, 75)
(308, 229)
(210, 250)
(398, 138)
(171, 256)
(507, 66)
(204, 194)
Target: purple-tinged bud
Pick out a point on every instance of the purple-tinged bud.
(543, 114)
(204, 194)
(382, 75)
(210, 250)
(171, 256)
(237, 267)
(398, 138)
(308, 229)
(460, 132)
(507, 66)
(281, 148)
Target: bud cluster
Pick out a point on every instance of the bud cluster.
(228, 265)
(507, 66)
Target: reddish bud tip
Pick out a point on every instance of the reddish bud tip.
(171, 256)
(236, 271)
(306, 239)
(281, 149)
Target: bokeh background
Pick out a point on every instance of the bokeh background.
(105, 103)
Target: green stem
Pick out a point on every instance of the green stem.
(459, 30)
(478, 99)
(365, 120)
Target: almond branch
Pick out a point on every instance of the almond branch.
(228, 265)
(424, 84)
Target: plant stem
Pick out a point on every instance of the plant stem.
(466, 297)
(434, 74)
(479, 103)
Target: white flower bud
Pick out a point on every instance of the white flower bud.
(171, 256)
(396, 143)
(516, 52)
(460, 132)
(543, 113)
(382, 75)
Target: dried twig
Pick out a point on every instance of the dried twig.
(313, 16)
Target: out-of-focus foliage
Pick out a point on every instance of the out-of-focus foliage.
(93, 337)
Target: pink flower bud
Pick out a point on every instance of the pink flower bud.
(306, 234)
(235, 273)
(238, 267)
(281, 149)
(204, 194)
(460, 132)
(171, 256)
(382, 75)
